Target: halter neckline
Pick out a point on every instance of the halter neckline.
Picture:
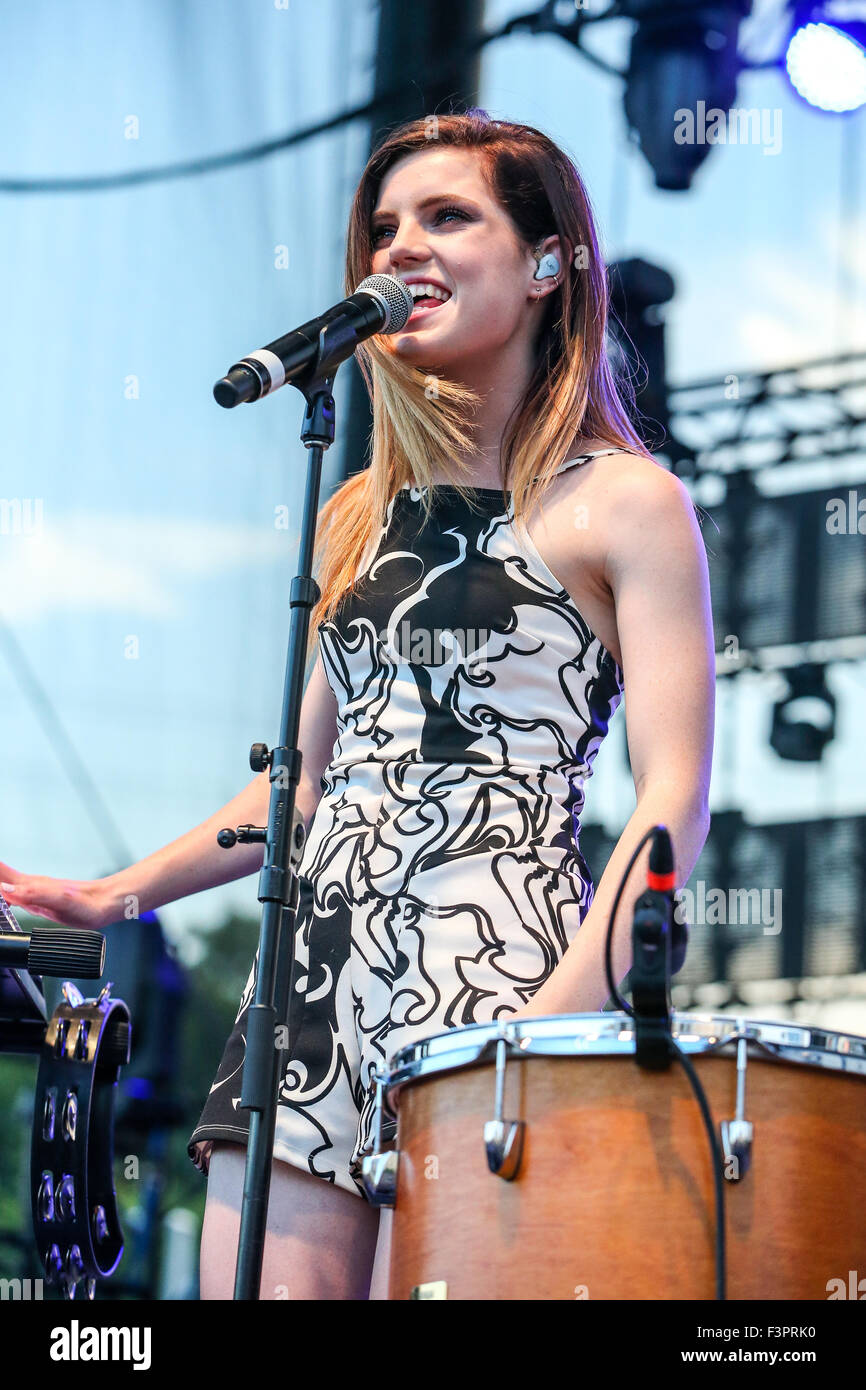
(500, 492)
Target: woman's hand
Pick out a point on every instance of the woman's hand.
(67, 901)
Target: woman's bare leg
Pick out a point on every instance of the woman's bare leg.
(320, 1242)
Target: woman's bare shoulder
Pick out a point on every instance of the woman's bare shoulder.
(622, 475)
(620, 499)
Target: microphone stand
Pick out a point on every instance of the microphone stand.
(278, 880)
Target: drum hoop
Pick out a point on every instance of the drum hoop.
(612, 1034)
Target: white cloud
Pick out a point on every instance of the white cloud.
(802, 316)
(98, 561)
(843, 240)
(799, 315)
(774, 305)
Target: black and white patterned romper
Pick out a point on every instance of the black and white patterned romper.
(442, 880)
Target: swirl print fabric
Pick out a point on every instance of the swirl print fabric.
(441, 880)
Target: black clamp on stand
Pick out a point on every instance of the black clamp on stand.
(650, 981)
(278, 893)
(659, 943)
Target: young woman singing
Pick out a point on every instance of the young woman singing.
(510, 565)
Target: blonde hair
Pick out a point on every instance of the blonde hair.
(419, 428)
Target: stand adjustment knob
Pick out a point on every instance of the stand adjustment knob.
(244, 835)
(260, 757)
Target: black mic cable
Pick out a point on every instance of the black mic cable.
(661, 879)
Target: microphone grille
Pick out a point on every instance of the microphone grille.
(394, 295)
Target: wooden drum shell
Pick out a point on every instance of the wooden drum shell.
(614, 1197)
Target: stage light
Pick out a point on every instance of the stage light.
(826, 54)
(683, 62)
(826, 63)
(638, 293)
(804, 720)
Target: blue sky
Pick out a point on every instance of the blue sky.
(123, 307)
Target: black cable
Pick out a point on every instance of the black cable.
(540, 22)
(608, 941)
(717, 1165)
(100, 183)
(700, 1095)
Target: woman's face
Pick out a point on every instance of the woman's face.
(435, 219)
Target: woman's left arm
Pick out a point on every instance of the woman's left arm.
(657, 572)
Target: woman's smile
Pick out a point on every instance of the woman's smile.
(428, 295)
(424, 307)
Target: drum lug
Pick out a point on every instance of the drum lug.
(503, 1143)
(379, 1168)
(738, 1134)
(503, 1139)
(379, 1176)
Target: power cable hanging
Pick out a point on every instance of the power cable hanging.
(538, 22)
(101, 183)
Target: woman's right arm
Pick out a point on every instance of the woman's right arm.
(195, 861)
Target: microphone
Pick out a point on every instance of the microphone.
(380, 304)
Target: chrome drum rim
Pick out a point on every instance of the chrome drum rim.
(612, 1034)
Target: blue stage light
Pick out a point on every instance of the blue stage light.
(827, 66)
